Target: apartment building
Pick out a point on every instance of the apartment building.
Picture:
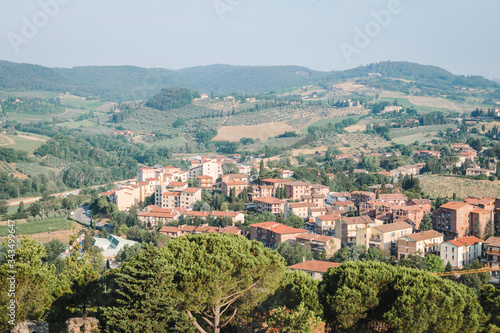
(424, 204)
(347, 206)
(271, 233)
(383, 236)
(461, 251)
(325, 224)
(318, 199)
(301, 209)
(394, 198)
(154, 215)
(238, 187)
(420, 243)
(348, 228)
(205, 166)
(296, 190)
(337, 196)
(452, 219)
(320, 243)
(238, 177)
(492, 253)
(270, 205)
(183, 199)
(206, 182)
(362, 196)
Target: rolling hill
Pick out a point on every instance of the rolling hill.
(124, 83)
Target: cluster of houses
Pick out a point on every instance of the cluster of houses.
(388, 221)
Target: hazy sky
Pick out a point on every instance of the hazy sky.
(461, 36)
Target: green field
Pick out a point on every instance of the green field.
(23, 144)
(80, 102)
(38, 226)
(420, 137)
(324, 122)
(78, 124)
(167, 143)
(406, 103)
(441, 186)
(13, 209)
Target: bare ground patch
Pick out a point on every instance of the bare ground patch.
(262, 131)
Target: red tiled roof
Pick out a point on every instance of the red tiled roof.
(224, 214)
(169, 229)
(235, 183)
(204, 177)
(454, 205)
(344, 203)
(270, 200)
(177, 184)
(191, 190)
(424, 235)
(315, 266)
(329, 217)
(466, 241)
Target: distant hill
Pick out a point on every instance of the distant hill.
(124, 83)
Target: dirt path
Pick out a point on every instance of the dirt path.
(31, 138)
(11, 142)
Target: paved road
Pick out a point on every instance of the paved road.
(80, 215)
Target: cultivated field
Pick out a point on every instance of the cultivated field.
(420, 137)
(262, 131)
(26, 228)
(354, 141)
(400, 132)
(439, 186)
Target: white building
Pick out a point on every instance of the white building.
(461, 251)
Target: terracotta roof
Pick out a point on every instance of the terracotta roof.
(479, 211)
(344, 203)
(315, 266)
(177, 184)
(204, 177)
(454, 205)
(152, 179)
(275, 180)
(231, 230)
(466, 241)
(263, 225)
(493, 241)
(185, 227)
(270, 200)
(390, 227)
(328, 217)
(157, 214)
(357, 219)
(166, 194)
(224, 214)
(424, 235)
(282, 229)
(169, 229)
(421, 201)
(301, 204)
(191, 190)
(196, 213)
(235, 183)
(298, 184)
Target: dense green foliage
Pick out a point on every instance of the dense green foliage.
(363, 295)
(172, 98)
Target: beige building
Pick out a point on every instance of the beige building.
(383, 236)
(271, 233)
(461, 251)
(348, 228)
(420, 243)
(325, 224)
(296, 190)
(315, 268)
(183, 199)
(301, 209)
(270, 205)
(492, 253)
(320, 243)
(205, 182)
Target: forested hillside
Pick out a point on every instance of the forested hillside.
(125, 83)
